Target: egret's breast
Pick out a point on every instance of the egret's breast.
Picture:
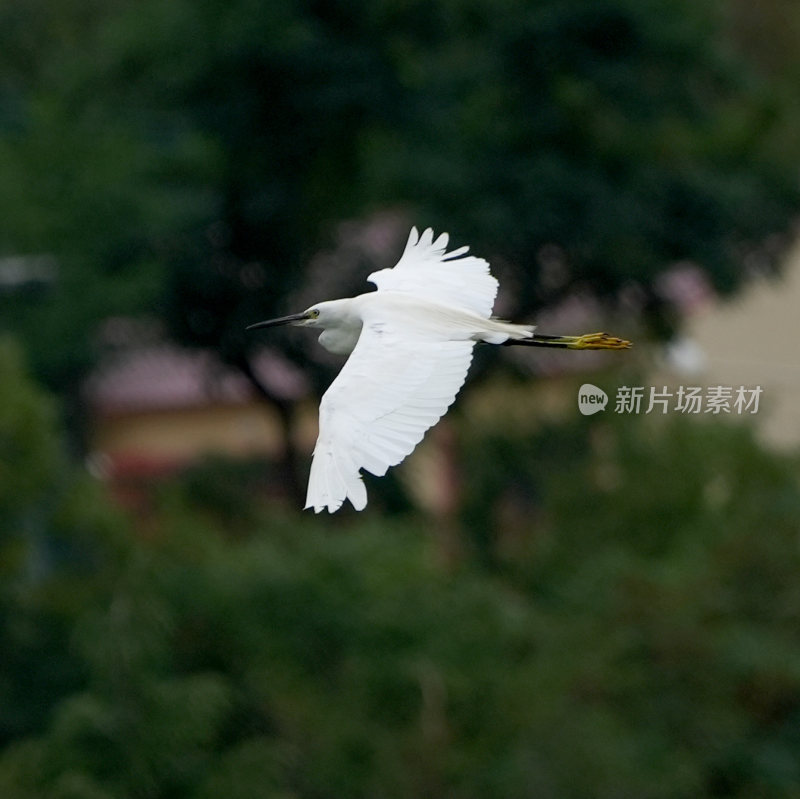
(340, 340)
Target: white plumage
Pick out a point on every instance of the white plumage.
(426, 270)
(410, 345)
(409, 362)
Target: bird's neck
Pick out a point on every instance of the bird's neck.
(339, 313)
(342, 322)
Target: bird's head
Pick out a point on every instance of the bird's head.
(322, 314)
(308, 318)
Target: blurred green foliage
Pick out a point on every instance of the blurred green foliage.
(625, 619)
(57, 534)
(636, 635)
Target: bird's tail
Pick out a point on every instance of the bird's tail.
(498, 331)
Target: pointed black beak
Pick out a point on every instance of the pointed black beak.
(281, 320)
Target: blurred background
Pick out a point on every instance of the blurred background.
(538, 603)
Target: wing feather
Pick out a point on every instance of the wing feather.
(389, 393)
(428, 271)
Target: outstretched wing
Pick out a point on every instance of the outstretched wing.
(427, 271)
(393, 388)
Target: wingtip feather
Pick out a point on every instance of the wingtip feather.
(440, 244)
(334, 478)
(457, 253)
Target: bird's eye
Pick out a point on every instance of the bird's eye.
(314, 313)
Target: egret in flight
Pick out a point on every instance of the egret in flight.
(410, 345)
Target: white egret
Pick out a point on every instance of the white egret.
(410, 345)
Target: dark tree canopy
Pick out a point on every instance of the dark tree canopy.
(187, 160)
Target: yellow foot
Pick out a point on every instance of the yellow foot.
(594, 341)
